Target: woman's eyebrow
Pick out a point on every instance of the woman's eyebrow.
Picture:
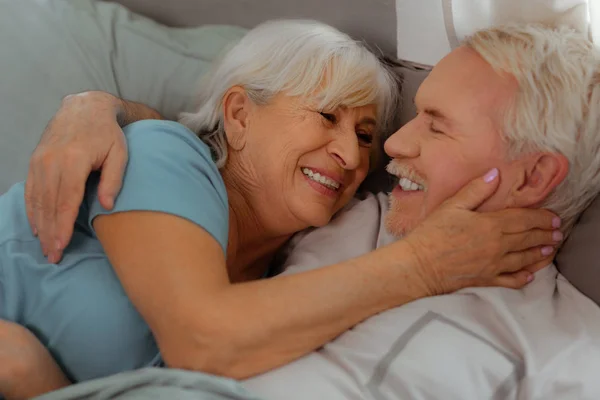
(367, 121)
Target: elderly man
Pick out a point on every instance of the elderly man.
(524, 99)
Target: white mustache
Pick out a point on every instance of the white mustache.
(404, 171)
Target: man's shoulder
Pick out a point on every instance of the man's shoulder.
(367, 202)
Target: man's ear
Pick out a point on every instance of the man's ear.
(236, 111)
(541, 173)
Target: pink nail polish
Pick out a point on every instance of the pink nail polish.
(490, 176)
(530, 278)
(546, 251)
(556, 222)
(557, 236)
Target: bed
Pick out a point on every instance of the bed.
(153, 51)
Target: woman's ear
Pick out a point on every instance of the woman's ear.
(541, 174)
(236, 111)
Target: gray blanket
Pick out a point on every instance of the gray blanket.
(155, 383)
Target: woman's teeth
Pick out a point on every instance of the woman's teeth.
(323, 180)
(408, 185)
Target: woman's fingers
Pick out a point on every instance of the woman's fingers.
(522, 277)
(474, 193)
(514, 280)
(532, 238)
(533, 268)
(516, 261)
(519, 220)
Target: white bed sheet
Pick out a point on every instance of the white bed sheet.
(542, 342)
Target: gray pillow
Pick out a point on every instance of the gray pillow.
(578, 258)
(52, 48)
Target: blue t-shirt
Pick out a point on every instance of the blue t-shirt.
(78, 308)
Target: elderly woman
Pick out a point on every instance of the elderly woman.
(171, 273)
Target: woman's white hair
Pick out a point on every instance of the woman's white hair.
(557, 106)
(299, 58)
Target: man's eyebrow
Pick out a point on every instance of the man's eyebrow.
(434, 112)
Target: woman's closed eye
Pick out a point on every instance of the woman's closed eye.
(365, 138)
(329, 117)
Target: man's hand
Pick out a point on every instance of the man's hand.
(458, 247)
(85, 135)
(26, 367)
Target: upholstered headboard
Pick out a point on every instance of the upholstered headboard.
(371, 20)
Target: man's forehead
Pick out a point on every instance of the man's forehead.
(463, 86)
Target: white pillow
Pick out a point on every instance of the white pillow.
(429, 29)
(52, 48)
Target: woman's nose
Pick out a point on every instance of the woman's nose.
(345, 149)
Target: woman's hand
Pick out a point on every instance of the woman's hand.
(26, 367)
(85, 135)
(456, 247)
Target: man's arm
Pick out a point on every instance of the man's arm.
(130, 111)
(26, 367)
(85, 135)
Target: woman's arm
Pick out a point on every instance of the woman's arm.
(174, 273)
(179, 283)
(85, 135)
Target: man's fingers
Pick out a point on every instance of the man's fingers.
(46, 214)
(521, 220)
(36, 201)
(28, 200)
(70, 197)
(533, 238)
(111, 177)
(476, 192)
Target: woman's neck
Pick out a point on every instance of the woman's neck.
(251, 245)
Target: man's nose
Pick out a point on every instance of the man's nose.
(403, 143)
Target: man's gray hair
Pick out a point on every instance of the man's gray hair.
(557, 106)
(298, 58)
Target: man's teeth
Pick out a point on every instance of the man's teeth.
(408, 185)
(315, 176)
